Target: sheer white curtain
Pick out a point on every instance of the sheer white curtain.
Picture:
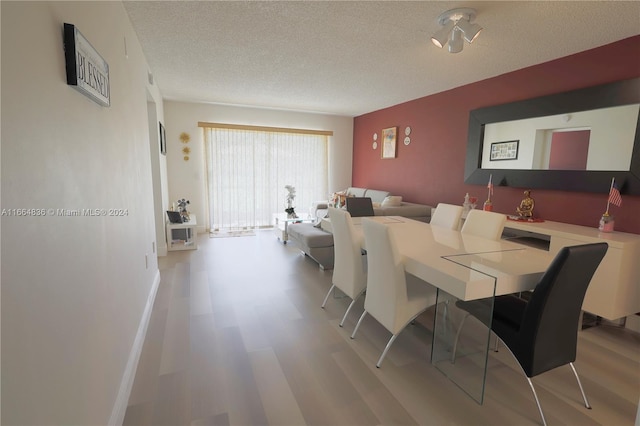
(247, 171)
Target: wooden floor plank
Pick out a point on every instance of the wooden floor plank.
(200, 297)
(175, 348)
(280, 405)
(380, 401)
(145, 382)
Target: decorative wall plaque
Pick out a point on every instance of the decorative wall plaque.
(87, 71)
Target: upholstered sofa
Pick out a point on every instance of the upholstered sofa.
(384, 204)
(314, 241)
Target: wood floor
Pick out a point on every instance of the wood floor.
(237, 337)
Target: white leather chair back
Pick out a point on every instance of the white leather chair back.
(386, 282)
(447, 216)
(484, 224)
(349, 270)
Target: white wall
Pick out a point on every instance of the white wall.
(187, 178)
(159, 174)
(74, 289)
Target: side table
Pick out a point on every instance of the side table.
(182, 236)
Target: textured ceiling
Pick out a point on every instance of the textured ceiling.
(350, 58)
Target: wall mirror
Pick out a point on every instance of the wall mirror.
(572, 141)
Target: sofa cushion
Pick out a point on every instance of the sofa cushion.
(310, 236)
(405, 210)
(338, 199)
(392, 201)
(376, 195)
(356, 192)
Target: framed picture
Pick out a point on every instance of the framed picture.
(389, 137)
(504, 151)
(163, 140)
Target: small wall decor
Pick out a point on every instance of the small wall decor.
(87, 71)
(407, 132)
(184, 137)
(389, 137)
(504, 151)
(163, 140)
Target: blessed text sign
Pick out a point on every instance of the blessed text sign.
(87, 71)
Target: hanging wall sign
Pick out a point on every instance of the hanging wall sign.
(87, 71)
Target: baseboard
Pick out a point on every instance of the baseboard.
(122, 400)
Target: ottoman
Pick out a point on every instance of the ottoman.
(314, 242)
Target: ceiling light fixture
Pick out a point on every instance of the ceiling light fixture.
(456, 25)
(455, 42)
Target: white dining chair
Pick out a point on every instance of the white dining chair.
(484, 224)
(447, 216)
(394, 298)
(349, 269)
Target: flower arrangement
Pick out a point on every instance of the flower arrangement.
(290, 210)
(182, 208)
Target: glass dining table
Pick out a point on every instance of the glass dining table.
(467, 268)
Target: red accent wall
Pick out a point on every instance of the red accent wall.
(431, 169)
(569, 150)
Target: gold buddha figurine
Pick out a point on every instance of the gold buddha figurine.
(526, 205)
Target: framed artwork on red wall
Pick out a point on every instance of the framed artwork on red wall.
(389, 137)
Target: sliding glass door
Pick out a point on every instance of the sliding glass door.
(248, 169)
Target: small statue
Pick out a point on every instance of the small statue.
(526, 205)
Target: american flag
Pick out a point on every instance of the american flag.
(614, 195)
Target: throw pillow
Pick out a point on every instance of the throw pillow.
(392, 201)
(338, 199)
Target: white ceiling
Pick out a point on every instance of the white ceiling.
(353, 57)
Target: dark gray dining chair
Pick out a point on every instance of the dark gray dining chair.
(542, 333)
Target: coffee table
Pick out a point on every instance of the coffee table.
(282, 222)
